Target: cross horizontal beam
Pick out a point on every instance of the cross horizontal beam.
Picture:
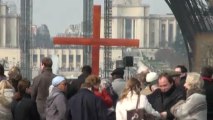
(91, 41)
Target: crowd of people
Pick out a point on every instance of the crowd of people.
(170, 95)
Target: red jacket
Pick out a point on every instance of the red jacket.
(105, 97)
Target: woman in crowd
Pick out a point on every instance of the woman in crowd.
(6, 94)
(195, 106)
(56, 104)
(129, 99)
(23, 108)
(98, 91)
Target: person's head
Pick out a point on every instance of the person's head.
(151, 79)
(1, 70)
(15, 73)
(193, 81)
(180, 69)
(207, 71)
(117, 73)
(92, 81)
(60, 82)
(14, 76)
(132, 85)
(86, 69)
(23, 85)
(165, 82)
(46, 63)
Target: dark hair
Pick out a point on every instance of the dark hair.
(22, 86)
(87, 69)
(182, 68)
(47, 62)
(167, 76)
(207, 71)
(2, 70)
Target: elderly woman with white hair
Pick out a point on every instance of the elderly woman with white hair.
(195, 106)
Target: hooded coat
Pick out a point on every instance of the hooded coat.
(56, 105)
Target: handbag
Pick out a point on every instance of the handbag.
(136, 114)
(139, 114)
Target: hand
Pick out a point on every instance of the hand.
(163, 115)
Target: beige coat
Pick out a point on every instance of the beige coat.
(5, 104)
(193, 108)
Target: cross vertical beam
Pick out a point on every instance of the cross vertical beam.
(96, 36)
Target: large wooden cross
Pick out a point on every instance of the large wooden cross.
(96, 41)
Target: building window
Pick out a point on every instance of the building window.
(35, 57)
(163, 35)
(170, 39)
(133, 28)
(63, 61)
(41, 57)
(71, 62)
(78, 61)
(128, 28)
(152, 40)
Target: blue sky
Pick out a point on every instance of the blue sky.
(59, 14)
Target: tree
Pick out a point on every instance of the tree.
(179, 44)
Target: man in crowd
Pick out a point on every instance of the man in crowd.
(183, 73)
(206, 74)
(76, 84)
(118, 82)
(166, 96)
(40, 86)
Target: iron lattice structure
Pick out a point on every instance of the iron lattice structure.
(87, 29)
(107, 34)
(26, 37)
(193, 16)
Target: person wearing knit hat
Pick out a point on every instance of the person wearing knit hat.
(57, 80)
(151, 79)
(56, 103)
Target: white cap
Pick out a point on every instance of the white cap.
(152, 76)
(57, 80)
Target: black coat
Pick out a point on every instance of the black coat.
(164, 101)
(208, 86)
(75, 85)
(24, 109)
(86, 106)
